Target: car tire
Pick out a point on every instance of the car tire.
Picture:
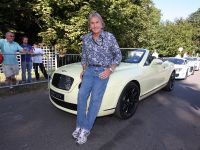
(193, 71)
(171, 82)
(128, 101)
(186, 75)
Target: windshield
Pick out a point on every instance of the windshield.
(189, 58)
(177, 61)
(134, 56)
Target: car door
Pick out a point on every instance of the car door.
(151, 75)
(159, 71)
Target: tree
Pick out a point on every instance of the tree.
(172, 35)
(63, 22)
(194, 19)
(17, 16)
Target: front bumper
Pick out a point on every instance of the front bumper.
(180, 75)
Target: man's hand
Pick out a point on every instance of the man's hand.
(81, 75)
(105, 74)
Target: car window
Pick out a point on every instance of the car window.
(134, 56)
(177, 61)
(149, 60)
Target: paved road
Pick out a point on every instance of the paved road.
(164, 121)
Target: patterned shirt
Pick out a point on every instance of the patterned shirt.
(104, 51)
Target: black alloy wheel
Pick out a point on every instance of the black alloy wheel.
(128, 101)
(171, 82)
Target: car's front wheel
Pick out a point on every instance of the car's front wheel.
(128, 101)
(171, 82)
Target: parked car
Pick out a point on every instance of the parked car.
(191, 64)
(181, 66)
(138, 76)
(195, 62)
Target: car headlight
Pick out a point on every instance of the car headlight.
(62, 81)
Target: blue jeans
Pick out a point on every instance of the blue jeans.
(26, 66)
(94, 87)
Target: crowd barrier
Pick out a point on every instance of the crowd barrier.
(51, 62)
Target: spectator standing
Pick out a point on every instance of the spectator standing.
(26, 60)
(100, 56)
(37, 61)
(185, 55)
(10, 66)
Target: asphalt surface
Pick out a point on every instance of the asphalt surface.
(164, 121)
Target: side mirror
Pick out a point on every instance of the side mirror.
(156, 62)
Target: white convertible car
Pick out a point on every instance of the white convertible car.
(137, 77)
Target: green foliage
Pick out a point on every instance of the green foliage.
(132, 22)
(172, 36)
(17, 16)
(63, 22)
(135, 23)
(194, 19)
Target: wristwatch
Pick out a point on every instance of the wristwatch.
(111, 69)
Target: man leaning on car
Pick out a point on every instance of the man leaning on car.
(100, 56)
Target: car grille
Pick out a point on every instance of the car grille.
(62, 81)
(59, 100)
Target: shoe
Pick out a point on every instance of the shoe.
(82, 138)
(76, 133)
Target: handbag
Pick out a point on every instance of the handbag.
(1, 58)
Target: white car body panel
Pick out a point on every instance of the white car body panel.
(181, 71)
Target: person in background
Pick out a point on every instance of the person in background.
(185, 55)
(10, 66)
(26, 60)
(37, 61)
(100, 56)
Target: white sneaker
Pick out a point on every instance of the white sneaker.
(76, 133)
(82, 138)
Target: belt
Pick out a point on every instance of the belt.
(96, 65)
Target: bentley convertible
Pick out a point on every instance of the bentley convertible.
(138, 76)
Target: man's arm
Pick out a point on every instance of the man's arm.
(117, 54)
(20, 49)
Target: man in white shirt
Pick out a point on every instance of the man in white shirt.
(37, 61)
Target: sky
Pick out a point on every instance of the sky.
(176, 9)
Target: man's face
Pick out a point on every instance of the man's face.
(10, 37)
(95, 25)
(25, 40)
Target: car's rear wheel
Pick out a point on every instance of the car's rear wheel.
(171, 82)
(186, 75)
(192, 70)
(128, 101)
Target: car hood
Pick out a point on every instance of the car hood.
(74, 70)
(180, 66)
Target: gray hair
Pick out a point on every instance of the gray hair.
(95, 14)
(7, 33)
